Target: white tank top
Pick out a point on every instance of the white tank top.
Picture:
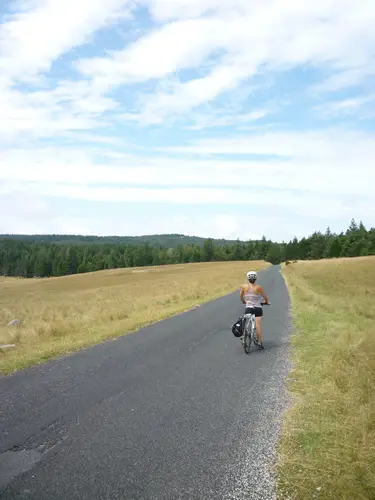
(252, 299)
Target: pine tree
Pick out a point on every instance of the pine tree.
(208, 250)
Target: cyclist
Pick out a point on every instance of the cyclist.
(251, 295)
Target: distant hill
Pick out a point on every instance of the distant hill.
(155, 240)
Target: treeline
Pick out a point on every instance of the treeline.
(155, 240)
(29, 259)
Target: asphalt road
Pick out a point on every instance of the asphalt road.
(174, 411)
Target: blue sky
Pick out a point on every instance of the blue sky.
(206, 117)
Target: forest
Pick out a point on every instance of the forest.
(158, 240)
(37, 256)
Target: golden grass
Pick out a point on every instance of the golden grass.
(60, 315)
(328, 446)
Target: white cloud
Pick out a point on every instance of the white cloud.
(189, 95)
(244, 37)
(31, 39)
(70, 106)
(232, 42)
(220, 119)
(160, 53)
(362, 106)
(191, 56)
(40, 31)
(220, 225)
(164, 10)
(325, 177)
(32, 215)
(28, 213)
(305, 204)
(334, 163)
(343, 79)
(334, 146)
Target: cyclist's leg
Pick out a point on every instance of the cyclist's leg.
(258, 323)
(254, 330)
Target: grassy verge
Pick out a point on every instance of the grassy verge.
(328, 446)
(61, 315)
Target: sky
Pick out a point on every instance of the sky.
(204, 117)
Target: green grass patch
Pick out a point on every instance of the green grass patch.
(327, 450)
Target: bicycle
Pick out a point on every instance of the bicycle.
(250, 330)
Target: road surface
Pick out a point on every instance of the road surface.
(176, 411)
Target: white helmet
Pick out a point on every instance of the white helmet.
(252, 276)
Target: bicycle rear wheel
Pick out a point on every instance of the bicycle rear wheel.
(247, 336)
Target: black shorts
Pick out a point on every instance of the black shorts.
(258, 311)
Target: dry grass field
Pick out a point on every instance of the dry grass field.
(328, 448)
(60, 315)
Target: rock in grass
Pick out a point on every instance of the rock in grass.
(6, 346)
(14, 322)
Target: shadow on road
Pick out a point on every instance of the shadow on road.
(269, 345)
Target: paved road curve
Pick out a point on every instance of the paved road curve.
(175, 411)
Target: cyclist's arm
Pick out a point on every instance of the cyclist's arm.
(263, 294)
(242, 291)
